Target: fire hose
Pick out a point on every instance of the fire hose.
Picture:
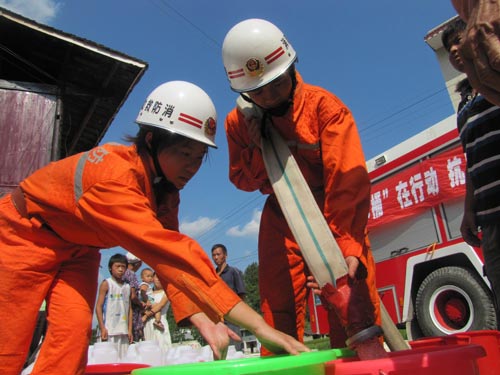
(348, 298)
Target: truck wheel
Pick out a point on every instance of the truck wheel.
(452, 300)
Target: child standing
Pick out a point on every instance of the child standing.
(146, 295)
(157, 329)
(113, 310)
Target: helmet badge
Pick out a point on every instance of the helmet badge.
(210, 127)
(254, 67)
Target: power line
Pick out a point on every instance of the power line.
(223, 223)
(238, 260)
(377, 126)
(187, 20)
(402, 110)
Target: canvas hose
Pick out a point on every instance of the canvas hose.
(307, 223)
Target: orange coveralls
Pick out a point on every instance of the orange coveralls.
(98, 199)
(323, 138)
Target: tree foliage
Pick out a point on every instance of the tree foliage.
(251, 278)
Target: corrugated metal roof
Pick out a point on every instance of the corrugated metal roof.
(93, 81)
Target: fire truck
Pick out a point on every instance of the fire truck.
(430, 281)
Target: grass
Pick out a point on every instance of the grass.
(324, 342)
(319, 344)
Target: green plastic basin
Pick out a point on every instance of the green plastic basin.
(310, 363)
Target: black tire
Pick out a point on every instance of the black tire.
(452, 300)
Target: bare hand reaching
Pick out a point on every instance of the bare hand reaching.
(217, 335)
(272, 339)
(279, 342)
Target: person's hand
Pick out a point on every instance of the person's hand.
(468, 229)
(130, 338)
(480, 46)
(147, 314)
(352, 266)
(104, 334)
(217, 335)
(313, 285)
(275, 341)
(279, 342)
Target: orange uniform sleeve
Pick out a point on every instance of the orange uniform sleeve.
(167, 213)
(123, 216)
(345, 178)
(338, 169)
(246, 166)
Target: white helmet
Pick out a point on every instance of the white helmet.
(131, 258)
(181, 107)
(254, 53)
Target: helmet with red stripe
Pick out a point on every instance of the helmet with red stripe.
(254, 53)
(181, 107)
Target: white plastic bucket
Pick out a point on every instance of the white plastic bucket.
(149, 352)
(104, 352)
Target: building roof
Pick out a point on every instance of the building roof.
(93, 81)
(433, 37)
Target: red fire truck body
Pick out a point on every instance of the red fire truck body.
(430, 281)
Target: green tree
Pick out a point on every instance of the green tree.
(251, 278)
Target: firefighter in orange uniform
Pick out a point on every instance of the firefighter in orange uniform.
(260, 65)
(53, 225)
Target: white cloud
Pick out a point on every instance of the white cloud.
(197, 227)
(42, 11)
(250, 229)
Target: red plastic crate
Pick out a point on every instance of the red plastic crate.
(427, 360)
(488, 339)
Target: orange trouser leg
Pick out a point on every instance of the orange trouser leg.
(32, 266)
(282, 279)
(26, 272)
(70, 309)
(282, 276)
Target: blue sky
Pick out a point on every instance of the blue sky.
(371, 54)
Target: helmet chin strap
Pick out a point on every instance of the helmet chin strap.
(282, 108)
(153, 152)
(160, 178)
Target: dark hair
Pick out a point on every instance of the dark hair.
(146, 269)
(162, 138)
(454, 28)
(217, 245)
(117, 258)
(463, 87)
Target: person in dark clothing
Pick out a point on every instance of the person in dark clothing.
(233, 277)
(478, 123)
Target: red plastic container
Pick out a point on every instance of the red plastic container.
(428, 360)
(488, 339)
(113, 368)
